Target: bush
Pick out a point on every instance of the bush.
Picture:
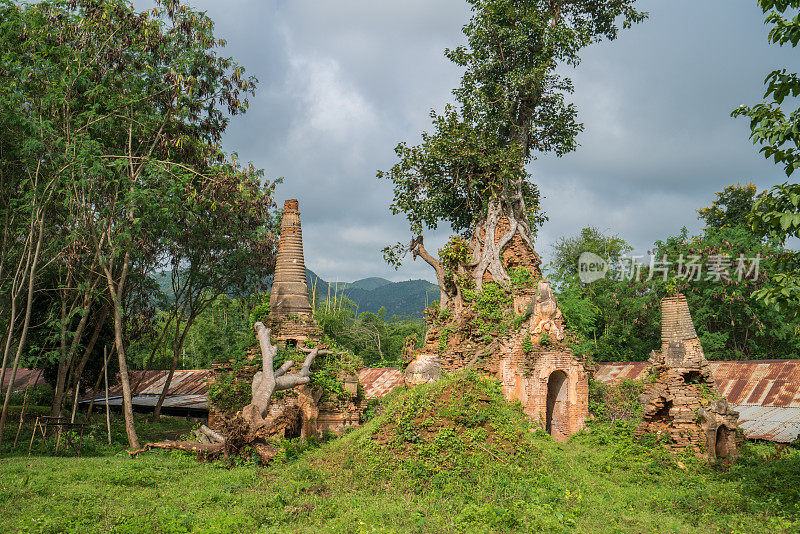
(616, 402)
(41, 395)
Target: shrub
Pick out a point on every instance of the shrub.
(616, 402)
(527, 344)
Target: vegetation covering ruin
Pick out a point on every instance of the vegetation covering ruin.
(113, 177)
(501, 474)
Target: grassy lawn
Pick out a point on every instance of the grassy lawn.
(450, 457)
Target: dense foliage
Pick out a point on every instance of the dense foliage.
(511, 103)
(609, 319)
(111, 123)
(374, 338)
(775, 126)
(470, 171)
(617, 317)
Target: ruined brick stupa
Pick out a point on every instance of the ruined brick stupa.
(682, 403)
(291, 317)
(525, 350)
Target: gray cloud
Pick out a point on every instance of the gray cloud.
(341, 83)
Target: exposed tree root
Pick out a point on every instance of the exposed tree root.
(248, 431)
(205, 451)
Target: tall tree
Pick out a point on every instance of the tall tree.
(471, 170)
(124, 112)
(221, 245)
(775, 126)
(731, 208)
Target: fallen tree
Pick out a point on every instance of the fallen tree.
(252, 428)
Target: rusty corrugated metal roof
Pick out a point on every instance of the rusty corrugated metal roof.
(184, 382)
(766, 393)
(190, 402)
(188, 389)
(772, 423)
(379, 381)
(25, 378)
(759, 382)
(615, 371)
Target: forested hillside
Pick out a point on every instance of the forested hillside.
(403, 299)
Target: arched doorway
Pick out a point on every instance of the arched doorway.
(722, 443)
(557, 420)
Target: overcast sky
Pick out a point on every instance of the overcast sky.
(342, 82)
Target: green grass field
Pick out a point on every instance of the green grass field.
(448, 457)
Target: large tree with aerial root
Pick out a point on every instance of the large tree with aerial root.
(470, 171)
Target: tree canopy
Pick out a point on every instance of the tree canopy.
(775, 126)
(111, 123)
(511, 104)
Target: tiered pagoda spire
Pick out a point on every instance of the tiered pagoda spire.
(289, 294)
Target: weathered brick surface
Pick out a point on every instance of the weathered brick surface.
(552, 386)
(289, 293)
(681, 400)
(550, 382)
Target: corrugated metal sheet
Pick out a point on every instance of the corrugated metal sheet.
(612, 372)
(188, 390)
(25, 378)
(759, 382)
(184, 382)
(379, 381)
(766, 393)
(189, 402)
(772, 423)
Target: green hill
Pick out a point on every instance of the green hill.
(369, 283)
(407, 298)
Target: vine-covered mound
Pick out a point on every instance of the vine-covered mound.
(447, 436)
(453, 427)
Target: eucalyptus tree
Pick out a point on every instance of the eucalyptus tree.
(470, 171)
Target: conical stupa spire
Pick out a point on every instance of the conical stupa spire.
(676, 320)
(289, 289)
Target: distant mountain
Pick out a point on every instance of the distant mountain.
(408, 298)
(370, 283)
(404, 299)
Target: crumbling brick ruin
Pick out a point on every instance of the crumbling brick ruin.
(292, 324)
(525, 351)
(680, 400)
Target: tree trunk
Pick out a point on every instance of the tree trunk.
(153, 351)
(248, 430)
(10, 336)
(63, 364)
(127, 403)
(16, 288)
(78, 370)
(417, 248)
(127, 397)
(487, 245)
(24, 334)
(176, 348)
(103, 372)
